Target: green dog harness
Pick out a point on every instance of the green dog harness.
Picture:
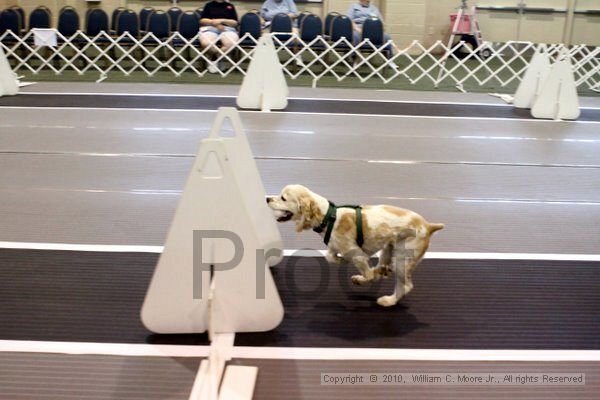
(329, 221)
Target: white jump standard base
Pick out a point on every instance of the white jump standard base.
(531, 86)
(213, 273)
(264, 86)
(9, 85)
(549, 90)
(558, 98)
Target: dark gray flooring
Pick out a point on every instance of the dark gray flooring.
(294, 105)
(96, 297)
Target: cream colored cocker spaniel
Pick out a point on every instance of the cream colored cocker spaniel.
(401, 235)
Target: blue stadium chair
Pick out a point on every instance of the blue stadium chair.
(128, 21)
(159, 24)
(96, 21)
(328, 21)
(281, 26)
(311, 27)
(113, 19)
(10, 20)
(341, 27)
(68, 26)
(174, 13)
(301, 16)
(68, 21)
(250, 23)
(21, 13)
(40, 17)
(144, 14)
(188, 25)
(373, 30)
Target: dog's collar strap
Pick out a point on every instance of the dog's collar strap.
(329, 221)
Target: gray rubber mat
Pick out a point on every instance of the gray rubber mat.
(96, 297)
(311, 145)
(144, 218)
(131, 200)
(294, 105)
(353, 180)
(41, 376)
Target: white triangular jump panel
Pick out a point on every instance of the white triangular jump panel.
(8, 80)
(264, 86)
(223, 192)
(558, 98)
(533, 81)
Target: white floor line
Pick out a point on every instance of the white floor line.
(302, 113)
(302, 252)
(115, 349)
(82, 247)
(297, 353)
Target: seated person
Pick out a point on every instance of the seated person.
(218, 22)
(358, 13)
(271, 8)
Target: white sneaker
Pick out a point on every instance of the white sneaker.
(214, 67)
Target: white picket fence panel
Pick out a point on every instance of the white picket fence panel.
(437, 64)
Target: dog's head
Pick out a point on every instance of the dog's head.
(296, 203)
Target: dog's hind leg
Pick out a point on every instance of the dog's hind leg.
(384, 266)
(407, 255)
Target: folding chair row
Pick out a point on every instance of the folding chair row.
(336, 27)
(14, 19)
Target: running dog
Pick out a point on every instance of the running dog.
(355, 233)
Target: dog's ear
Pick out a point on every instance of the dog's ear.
(309, 213)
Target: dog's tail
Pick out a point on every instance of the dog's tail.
(434, 227)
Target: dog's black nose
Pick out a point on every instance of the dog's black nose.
(268, 200)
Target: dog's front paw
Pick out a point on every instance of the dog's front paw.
(387, 301)
(360, 280)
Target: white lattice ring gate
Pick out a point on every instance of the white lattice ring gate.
(365, 61)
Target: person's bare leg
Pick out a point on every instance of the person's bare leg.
(228, 40)
(209, 40)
